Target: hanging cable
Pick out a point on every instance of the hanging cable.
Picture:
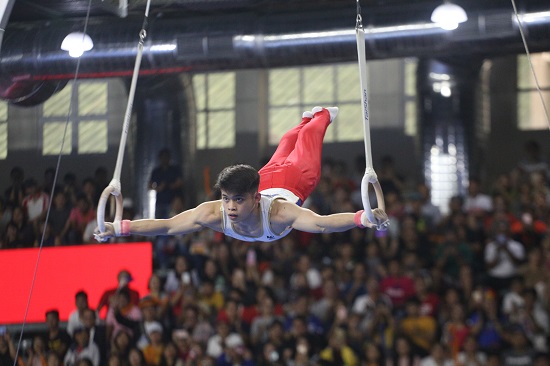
(54, 183)
(114, 187)
(370, 175)
(528, 53)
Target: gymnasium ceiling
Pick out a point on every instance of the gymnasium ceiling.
(198, 35)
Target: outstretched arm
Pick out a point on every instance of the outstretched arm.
(289, 214)
(205, 215)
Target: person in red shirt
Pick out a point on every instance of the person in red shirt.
(123, 278)
(396, 285)
(81, 215)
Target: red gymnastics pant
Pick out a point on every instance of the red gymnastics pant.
(296, 164)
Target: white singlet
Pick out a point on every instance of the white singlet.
(268, 196)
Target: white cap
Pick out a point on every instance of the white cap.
(234, 340)
(153, 327)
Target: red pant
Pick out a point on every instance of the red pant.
(296, 164)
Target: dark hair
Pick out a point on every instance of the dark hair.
(81, 293)
(53, 312)
(238, 179)
(85, 361)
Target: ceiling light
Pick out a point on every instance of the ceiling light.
(76, 43)
(448, 16)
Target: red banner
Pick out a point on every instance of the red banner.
(62, 272)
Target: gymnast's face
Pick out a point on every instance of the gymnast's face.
(239, 206)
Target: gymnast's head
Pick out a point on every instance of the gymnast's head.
(238, 179)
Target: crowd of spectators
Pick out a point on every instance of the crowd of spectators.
(468, 287)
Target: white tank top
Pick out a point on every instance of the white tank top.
(268, 196)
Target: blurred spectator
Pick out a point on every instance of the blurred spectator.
(356, 286)
(470, 355)
(124, 278)
(235, 353)
(121, 307)
(70, 187)
(212, 273)
(209, 297)
(531, 160)
(455, 331)
(260, 325)
(5, 215)
(430, 212)
(338, 352)
(82, 348)
(324, 308)
(136, 357)
(166, 179)
(300, 308)
(503, 257)
(402, 354)
(382, 328)
(421, 330)
(54, 360)
(7, 348)
(48, 180)
(216, 343)
(303, 267)
(396, 285)
(512, 300)
(485, 322)
(388, 177)
(81, 215)
(520, 353)
(35, 202)
(367, 304)
(159, 296)
(534, 320)
(15, 192)
(59, 214)
(429, 300)
(152, 352)
(36, 354)
(182, 272)
(97, 331)
(476, 201)
(373, 355)
(452, 253)
(75, 317)
(120, 346)
(22, 234)
(58, 340)
(438, 357)
(170, 356)
(196, 323)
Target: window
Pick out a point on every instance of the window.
(531, 113)
(411, 114)
(3, 130)
(215, 103)
(294, 90)
(86, 109)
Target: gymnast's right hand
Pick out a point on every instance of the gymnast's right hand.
(107, 234)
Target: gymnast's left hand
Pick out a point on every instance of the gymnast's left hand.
(381, 217)
(106, 235)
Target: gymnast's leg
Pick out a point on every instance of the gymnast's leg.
(307, 153)
(287, 143)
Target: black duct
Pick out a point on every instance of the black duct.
(30, 55)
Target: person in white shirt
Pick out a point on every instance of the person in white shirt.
(502, 257)
(438, 357)
(82, 348)
(477, 202)
(75, 318)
